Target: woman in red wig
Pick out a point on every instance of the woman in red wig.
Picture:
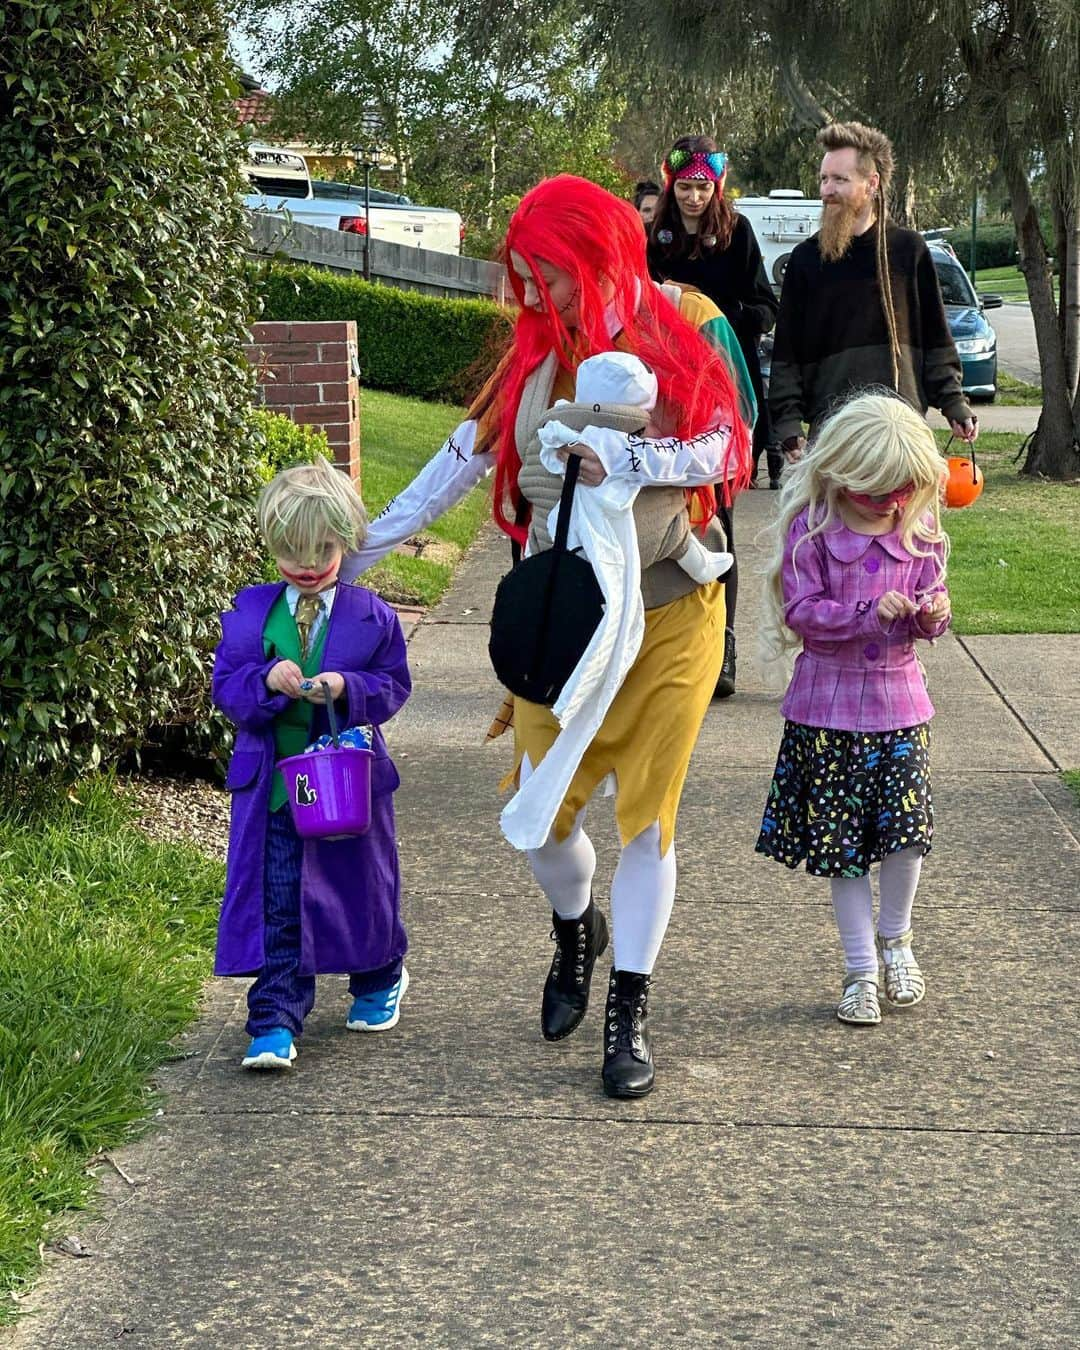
(576, 256)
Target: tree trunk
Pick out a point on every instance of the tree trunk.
(492, 169)
(1067, 245)
(808, 111)
(1055, 447)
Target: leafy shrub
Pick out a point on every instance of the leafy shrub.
(128, 458)
(409, 343)
(285, 443)
(995, 245)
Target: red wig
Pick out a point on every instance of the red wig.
(586, 232)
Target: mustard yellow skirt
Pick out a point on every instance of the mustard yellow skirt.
(651, 727)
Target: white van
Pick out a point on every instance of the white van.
(781, 220)
(281, 182)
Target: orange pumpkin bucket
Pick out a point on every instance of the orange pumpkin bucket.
(964, 481)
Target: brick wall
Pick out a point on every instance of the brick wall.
(308, 372)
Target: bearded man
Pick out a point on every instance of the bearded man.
(861, 303)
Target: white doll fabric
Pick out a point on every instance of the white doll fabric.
(602, 526)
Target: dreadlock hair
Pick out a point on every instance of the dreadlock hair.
(874, 153)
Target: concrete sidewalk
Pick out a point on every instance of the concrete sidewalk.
(791, 1181)
(994, 417)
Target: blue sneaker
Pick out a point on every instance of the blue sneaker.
(380, 1010)
(274, 1050)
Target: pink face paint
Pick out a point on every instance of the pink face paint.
(883, 503)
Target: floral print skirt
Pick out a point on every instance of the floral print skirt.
(841, 800)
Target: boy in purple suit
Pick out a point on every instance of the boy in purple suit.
(296, 908)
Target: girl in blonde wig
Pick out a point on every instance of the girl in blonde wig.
(857, 576)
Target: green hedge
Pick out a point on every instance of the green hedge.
(995, 245)
(127, 456)
(409, 343)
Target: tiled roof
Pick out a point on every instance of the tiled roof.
(253, 109)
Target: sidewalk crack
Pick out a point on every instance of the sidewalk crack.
(1005, 699)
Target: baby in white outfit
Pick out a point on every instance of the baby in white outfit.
(618, 390)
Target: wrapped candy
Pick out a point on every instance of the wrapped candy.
(352, 738)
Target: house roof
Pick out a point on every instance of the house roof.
(253, 109)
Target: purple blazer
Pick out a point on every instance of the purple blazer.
(349, 888)
(854, 673)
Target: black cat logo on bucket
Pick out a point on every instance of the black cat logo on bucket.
(305, 795)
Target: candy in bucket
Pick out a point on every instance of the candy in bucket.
(329, 785)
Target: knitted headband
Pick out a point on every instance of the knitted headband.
(695, 164)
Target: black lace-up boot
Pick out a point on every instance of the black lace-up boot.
(578, 942)
(628, 1062)
(725, 685)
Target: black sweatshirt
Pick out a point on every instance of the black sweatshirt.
(832, 338)
(733, 279)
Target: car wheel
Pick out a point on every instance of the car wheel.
(779, 267)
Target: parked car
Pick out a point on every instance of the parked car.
(976, 341)
(282, 184)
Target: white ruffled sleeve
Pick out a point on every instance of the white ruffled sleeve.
(666, 460)
(448, 476)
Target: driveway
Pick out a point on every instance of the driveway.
(1017, 352)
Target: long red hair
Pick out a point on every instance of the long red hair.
(583, 230)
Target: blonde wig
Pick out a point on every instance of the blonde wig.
(306, 507)
(875, 443)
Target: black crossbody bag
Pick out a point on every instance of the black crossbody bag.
(546, 610)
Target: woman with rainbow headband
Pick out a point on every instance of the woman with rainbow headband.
(698, 239)
(576, 256)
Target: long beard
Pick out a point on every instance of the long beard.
(837, 229)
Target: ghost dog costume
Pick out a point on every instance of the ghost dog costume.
(615, 394)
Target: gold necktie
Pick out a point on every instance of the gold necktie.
(308, 609)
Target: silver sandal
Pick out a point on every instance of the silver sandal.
(904, 982)
(859, 1005)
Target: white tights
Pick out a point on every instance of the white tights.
(642, 890)
(854, 907)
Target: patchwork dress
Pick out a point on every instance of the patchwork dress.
(852, 778)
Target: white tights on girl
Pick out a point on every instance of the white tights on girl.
(642, 890)
(854, 907)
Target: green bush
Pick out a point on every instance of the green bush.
(285, 443)
(409, 343)
(995, 245)
(128, 459)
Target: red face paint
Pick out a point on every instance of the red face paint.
(309, 579)
(883, 503)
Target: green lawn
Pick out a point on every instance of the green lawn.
(1014, 393)
(398, 436)
(1071, 779)
(1008, 282)
(107, 941)
(1013, 567)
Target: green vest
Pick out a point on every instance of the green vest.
(292, 728)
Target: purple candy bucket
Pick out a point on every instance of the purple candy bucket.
(329, 792)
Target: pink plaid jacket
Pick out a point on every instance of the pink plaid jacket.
(854, 673)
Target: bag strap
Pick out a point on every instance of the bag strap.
(566, 497)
